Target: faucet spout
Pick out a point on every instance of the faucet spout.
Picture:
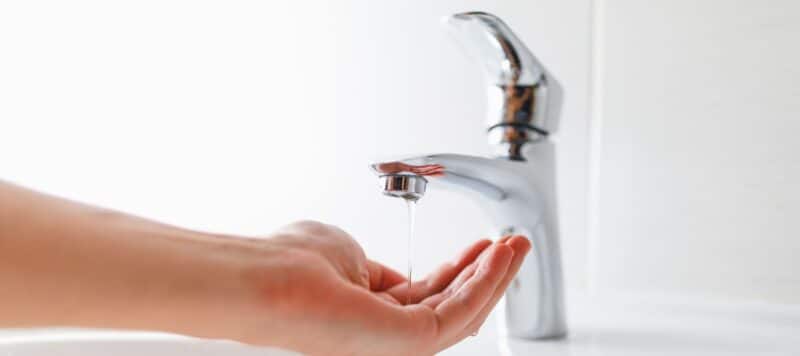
(452, 175)
(507, 190)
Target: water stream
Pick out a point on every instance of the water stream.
(411, 205)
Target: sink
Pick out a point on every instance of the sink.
(628, 325)
(618, 326)
(44, 342)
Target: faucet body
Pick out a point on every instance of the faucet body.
(510, 192)
(517, 188)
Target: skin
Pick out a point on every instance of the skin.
(307, 287)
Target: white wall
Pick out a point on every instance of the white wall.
(240, 117)
(243, 116)
(698, 169)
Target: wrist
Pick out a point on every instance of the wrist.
(260, 300)
(239, 290)
(203, 282)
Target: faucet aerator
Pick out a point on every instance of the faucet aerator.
(406, 186)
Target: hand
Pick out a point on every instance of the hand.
(325, 297)
(308, 287)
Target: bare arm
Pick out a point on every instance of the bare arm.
(68, 264)
(307, 287)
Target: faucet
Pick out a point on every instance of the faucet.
(517, 187)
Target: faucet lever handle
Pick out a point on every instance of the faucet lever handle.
(517, 81)
(486, 38)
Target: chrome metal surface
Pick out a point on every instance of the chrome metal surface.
(518, 84)
(406, 186)
(520, 200)
(518, 193)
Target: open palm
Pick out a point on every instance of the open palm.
(350, 305)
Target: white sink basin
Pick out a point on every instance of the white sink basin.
(637, 326)
(102, 343)
(618, 327)
(633, 327)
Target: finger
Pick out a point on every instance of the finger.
(504, 238)
(441, 278)
(381, 277)
(455, 313)
(387, 297)
(445, 275)
(434, 300)
(521, 247)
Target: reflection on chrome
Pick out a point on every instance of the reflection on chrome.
(519, 90)
(397, 167)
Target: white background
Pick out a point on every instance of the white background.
(240, 117)
(676, 150)
(698, 153)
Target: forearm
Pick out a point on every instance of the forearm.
(67, 264)
(309, 287)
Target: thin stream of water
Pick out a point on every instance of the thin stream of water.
(411, 204)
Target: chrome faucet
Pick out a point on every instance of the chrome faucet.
(517, 188)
